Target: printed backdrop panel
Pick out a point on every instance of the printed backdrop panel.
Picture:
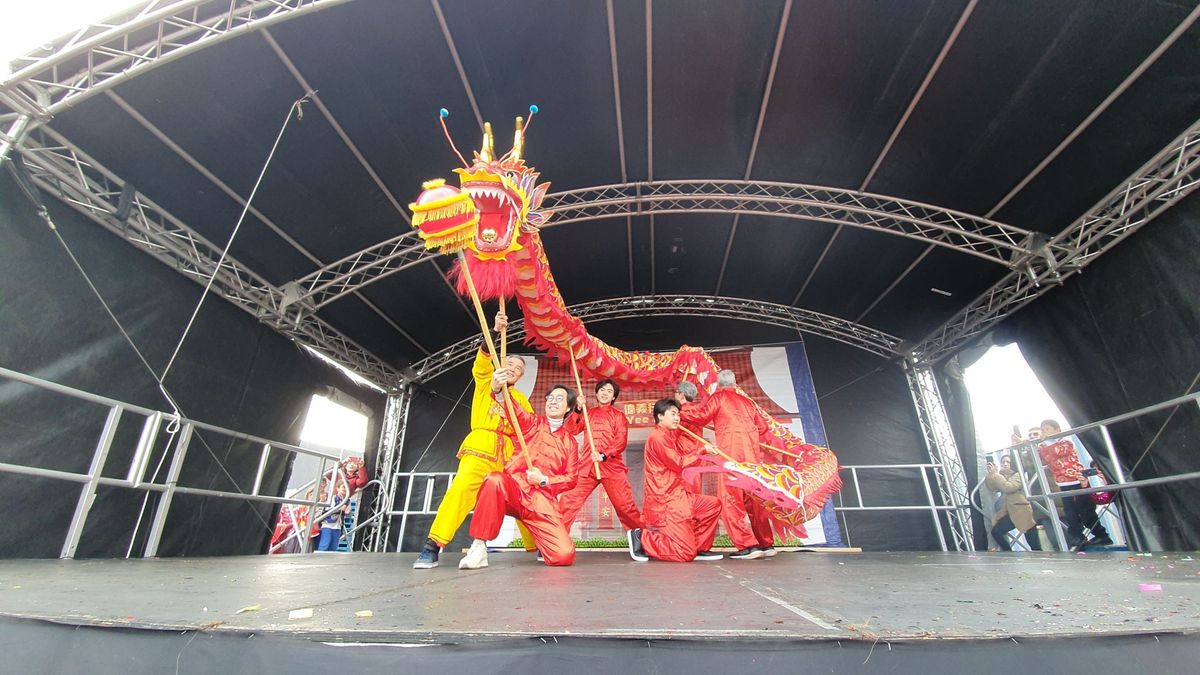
(777, 377)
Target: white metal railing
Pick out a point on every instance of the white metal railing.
(178, 434)
(1118, 481)
(930, 504)
(424, 484)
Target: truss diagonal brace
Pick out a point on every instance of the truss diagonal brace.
(1165, 180)
(990, 240)
(89, 188)
(151, 33)
(847, 332)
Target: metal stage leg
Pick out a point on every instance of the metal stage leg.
(943, 451)
(391, 446)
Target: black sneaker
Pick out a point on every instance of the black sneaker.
(635, 545)
(540, 558)
(428, 558)
(709, 555)
(751, 553)
(768, 551)
(1101, 541)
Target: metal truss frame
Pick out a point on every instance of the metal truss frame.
(990, 240)
(103, 54)
(711, 307)
(1159, 184)
(61, 169)
(943, 451)
(387, 464)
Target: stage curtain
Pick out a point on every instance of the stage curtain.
(1123, 335)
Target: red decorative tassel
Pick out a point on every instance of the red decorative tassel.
(493, 278)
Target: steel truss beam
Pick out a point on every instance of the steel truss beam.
(943, 450)
(987, 239)
(85, 185)
(1159, 184)
(387, 465)
(711, 307)
(154, 32)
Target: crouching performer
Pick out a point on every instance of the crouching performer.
(530, 483)
(680, 525)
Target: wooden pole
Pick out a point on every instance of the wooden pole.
(720, 478)
(587, 422)
(779, 450)
(487, 339)
(503, 334)
(703, 440)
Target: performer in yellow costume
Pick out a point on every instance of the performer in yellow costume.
(486, 449)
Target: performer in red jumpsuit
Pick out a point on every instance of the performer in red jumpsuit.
(610, 430)
(680, 526)
(738, 426)
(531, 482)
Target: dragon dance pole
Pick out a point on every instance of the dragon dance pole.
(487, 338)
(705, 441)
(721, 478)
(587, 422)
(503, 334)
(781, 451)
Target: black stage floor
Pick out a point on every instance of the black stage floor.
(793, 597)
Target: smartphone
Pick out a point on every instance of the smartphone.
(1016, 430)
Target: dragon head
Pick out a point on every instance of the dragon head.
(498, 197)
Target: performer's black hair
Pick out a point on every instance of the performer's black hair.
(616, 387)
(661, 405)
(571, 396)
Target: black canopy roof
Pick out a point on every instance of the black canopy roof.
(950, 103)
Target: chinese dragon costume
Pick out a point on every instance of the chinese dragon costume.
(492, 220)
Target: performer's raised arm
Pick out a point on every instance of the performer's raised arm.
(502, 382)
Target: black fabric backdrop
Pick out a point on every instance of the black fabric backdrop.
(232, 372)
(1123, 335)
(864, 399)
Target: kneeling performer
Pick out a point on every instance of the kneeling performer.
(529, 486)
(680, 526)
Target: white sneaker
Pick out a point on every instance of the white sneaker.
(476, 557)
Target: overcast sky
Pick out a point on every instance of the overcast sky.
(1004, 391)
(28, 24)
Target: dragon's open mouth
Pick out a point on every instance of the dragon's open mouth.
(498, 210)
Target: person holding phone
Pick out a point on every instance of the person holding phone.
(1017, 512)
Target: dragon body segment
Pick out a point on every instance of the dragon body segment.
(492, 221)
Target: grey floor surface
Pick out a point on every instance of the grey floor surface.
(870, 596)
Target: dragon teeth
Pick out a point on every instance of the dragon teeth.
(495, 193)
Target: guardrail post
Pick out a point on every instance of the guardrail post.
(87, 494)
(306, 534)
(164, 500)
(937, 521)
(262, 467)
(145, 446)
(1040, 477)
